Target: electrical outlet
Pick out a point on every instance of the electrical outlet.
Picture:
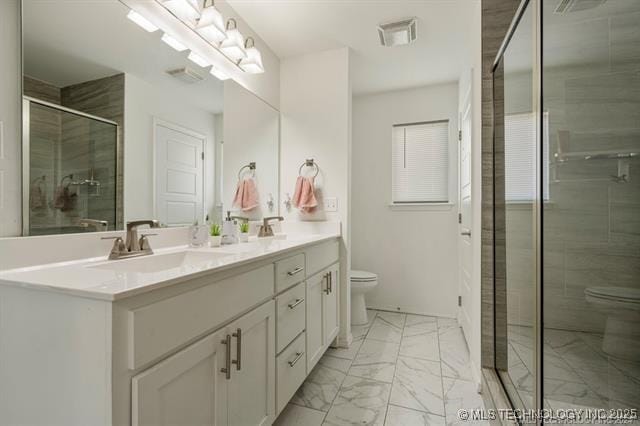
(331, 204)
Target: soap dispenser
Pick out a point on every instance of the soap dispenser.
(229, 230)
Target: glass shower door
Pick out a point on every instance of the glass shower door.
(70, 170)
(591, 222)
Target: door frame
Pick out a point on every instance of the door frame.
(189, 132)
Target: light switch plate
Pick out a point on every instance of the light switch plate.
(331, 204)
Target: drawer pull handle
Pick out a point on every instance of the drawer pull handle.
(296, 303)
(295, 271)
(296, 359)
(327, 289)
(238, 360)
(227, 363)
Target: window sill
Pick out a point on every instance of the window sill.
(421, 206)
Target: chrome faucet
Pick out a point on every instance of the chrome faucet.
(265, 229)
(133, 246)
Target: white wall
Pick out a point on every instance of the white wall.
(315, 106)
(142, 103)
(251, 134)
(414, 252)
(10, 107)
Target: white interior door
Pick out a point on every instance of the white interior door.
(179, 175)
(465, 219)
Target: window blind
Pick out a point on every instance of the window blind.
(520, 154)
(420, 163)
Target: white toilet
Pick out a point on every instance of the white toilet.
(361, 283)
(622, 330)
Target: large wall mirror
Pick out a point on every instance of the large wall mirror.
(118, 125)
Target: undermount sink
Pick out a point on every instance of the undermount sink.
(162, 262)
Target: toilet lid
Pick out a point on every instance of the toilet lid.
(615, 293)
(363, 276)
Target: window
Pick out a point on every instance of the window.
(519, 155)
(420, 163)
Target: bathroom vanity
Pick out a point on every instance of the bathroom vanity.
(184, 336)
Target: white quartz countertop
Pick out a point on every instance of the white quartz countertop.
(99, 278)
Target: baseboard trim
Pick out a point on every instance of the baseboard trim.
(410, 311)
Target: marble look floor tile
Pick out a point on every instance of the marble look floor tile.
(447, 322)
(400, 416)
(418, 385)
(459, 394)
(340, 364)
(572, 393)
(376, 360)
(359, 332)
(423, 345)
(384, 330)
(417, 324)
(618, 389)
(346, 353)
(321, 386)
(396, 318)
(454, 354)
(359, 402)
(295, 415)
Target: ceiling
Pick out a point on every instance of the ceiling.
(296, 27)
(68, 42)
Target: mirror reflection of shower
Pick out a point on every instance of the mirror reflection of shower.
(70, 169)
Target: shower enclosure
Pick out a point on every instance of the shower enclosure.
(69, 170)
(567, 206)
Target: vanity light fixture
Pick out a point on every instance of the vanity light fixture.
(186, 10)
(211, 24)
(174, 43)
(233, 45)
(141, 21)
(218, 74)
(197, 59)
(253, 61)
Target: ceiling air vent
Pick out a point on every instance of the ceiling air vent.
(186, 75)
(568, 6)
(398, 33)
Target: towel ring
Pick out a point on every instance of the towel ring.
(309, 163)
(251, 166)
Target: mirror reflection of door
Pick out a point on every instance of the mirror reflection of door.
(179, 175)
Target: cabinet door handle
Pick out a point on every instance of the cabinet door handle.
(330, 282)
(297, 270)
(326, 289)
(238, 360)
(227, 363)
(296, 359)
(296, 303)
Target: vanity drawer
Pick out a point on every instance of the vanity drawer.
(291, 371)
(321, 256)
(160, 327)
(289, 271)
(291, 315)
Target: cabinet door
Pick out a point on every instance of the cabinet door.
(186, 389)
(251, 390)
(315, 323)
(331, 310)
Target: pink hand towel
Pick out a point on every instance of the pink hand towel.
(246, 197)
(304, 197)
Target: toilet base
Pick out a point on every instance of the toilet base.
(622, 336)
(358, 309)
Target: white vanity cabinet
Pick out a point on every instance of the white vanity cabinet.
(322, 312)
(228, 346)
(225, 378)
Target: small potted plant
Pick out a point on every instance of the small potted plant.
(244, 232)
(214, 235)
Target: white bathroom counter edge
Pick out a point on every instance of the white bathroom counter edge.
(22, 278)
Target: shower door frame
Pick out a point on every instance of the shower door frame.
(26, 155)
(536, 10)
